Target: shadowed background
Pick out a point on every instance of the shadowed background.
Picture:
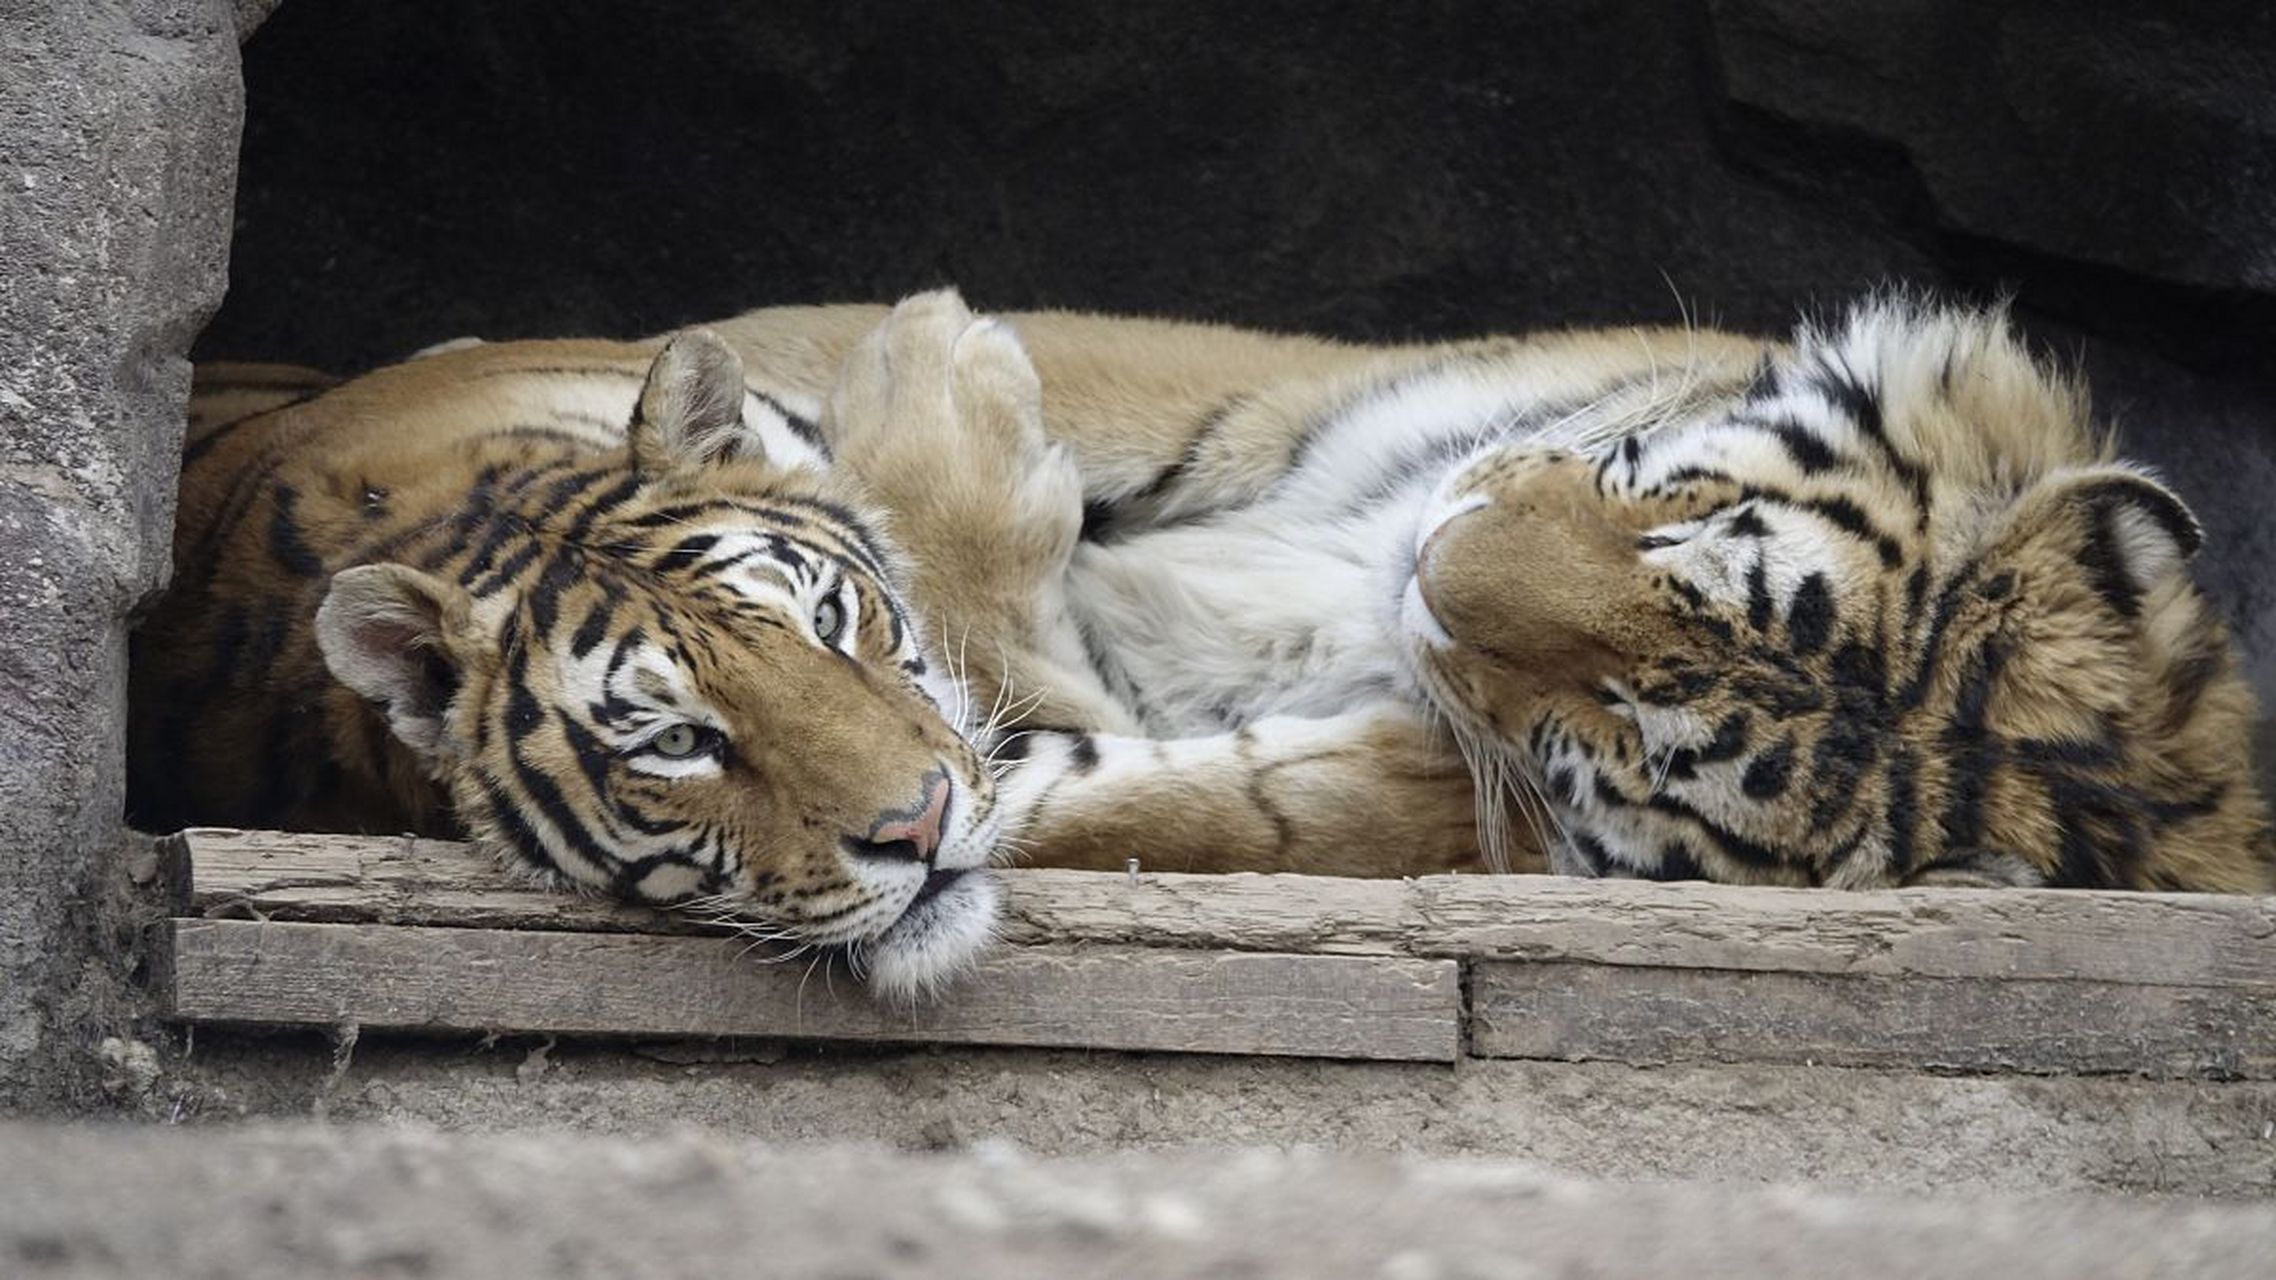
(416, 170)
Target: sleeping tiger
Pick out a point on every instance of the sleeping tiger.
(812, 615)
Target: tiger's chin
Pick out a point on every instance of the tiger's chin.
(935, 941)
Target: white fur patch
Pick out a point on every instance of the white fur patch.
(925, 950)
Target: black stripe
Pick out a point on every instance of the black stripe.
(595, 623)
(1838, 511)
(562, 572)
(850, 526)
(476, 507)
(520, 836)
(564, 370)
(1768, 773)
(1901, 808)
(535, 431)
(1729, 740)
(2187, 680)
(626, 882)
(1848, 746)
(1730, 843)
(2106, 567)
(714, 568)
(600, 504)
(556, 809)
(286, 542)
(593, 759)
(1082, 753)
(1810, 617)
(1690, 474)
(1207, 425)
(684, 553)
(523, 714)
(1811, 456)
(1677, 862)
(1591, 853)
(1760, 607)
(1098, 520)
(1848, 393)
(215, 434)
(1974, 754)
(806, 429)
(508, 570)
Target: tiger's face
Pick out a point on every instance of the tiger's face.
(1889, 618)
(683, 676)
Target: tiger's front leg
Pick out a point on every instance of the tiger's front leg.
(940, 414)
(1370, 792)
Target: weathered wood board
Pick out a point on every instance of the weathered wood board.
(319, 930)
(2057, 934)
(415, 977)
(1657, 1016)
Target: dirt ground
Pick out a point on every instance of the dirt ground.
(1831, 1128)
(355, 1201)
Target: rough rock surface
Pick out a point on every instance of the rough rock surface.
(118, 141)
(2135, 136)
(415, 173)
(312, 1200)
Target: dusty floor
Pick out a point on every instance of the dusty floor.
(313, 1199)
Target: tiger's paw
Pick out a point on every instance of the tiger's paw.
(941, 412)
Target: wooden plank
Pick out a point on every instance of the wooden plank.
(2178, 939)
(1656, 1016)
(402, 880)
(2146, 938)
(396, 976)
(292, 875)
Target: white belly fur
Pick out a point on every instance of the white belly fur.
(1289, 606)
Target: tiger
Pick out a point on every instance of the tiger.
(1876, 606)
(816, 613)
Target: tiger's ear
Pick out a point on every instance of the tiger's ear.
(404, 640)
(690, 412)
(2128, 532)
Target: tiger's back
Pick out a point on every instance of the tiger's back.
(238, 721)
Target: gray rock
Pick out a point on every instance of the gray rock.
(118, 127)
(1359, 170)
(2131, 135)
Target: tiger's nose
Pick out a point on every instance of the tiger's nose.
(908, 835)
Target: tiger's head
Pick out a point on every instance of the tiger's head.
(1889, 615)
(682, 675)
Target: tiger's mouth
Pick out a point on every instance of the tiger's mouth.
(935, 939)
(940, 879)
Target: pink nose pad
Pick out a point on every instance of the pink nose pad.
(912, 834)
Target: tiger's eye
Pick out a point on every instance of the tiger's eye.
(677, 742)
(829, 620)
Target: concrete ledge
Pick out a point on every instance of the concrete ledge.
(306, 1201)
(1833, 1127)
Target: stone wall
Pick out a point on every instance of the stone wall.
(118, 148)
(418, 171)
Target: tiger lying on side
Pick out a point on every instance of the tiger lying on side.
(759, 618)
